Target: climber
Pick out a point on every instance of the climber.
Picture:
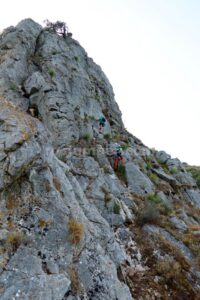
(118, 156)
(102, 122)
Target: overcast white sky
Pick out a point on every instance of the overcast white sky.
(149, 50)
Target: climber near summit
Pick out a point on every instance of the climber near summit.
(102, 122)
(118, 156)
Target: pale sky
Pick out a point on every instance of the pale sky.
(149, 50)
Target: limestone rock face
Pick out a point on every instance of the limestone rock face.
(71, 226)
(138, 182)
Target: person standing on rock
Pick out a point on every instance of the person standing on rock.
(102, 122)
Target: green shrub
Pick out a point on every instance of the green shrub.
(153, 177)
(116, 208)
(148, 161)
(121, 169)
(51, 73)
(174, 170)
(76, 58)
(116, 137)
(108, 136)
(163, 165)
(153, 198)
(14, 87)
(125, 146)
(195, 171)
(121, 173)
(149, 165)
(86, 137)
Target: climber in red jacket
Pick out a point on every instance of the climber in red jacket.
(118, 158)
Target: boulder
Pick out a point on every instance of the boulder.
(178, 224)
(166, 201)
(35, 83)
(162, 156)
(166, 177)
(193, 196)
(185, 179)
(138, 182)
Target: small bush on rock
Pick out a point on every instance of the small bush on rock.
(51, 73)
(174, 170)
(149, 214)
(76, 58)
(153, 198)
(107, 136)
(116, 208)
(125, 146)
(153, 177)
(58, 27)
(14, 87)
(121, 173)
(195, 171)
(86, 137)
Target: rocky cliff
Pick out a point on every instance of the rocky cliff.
(71, 226)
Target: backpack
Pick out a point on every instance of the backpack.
(102, 119)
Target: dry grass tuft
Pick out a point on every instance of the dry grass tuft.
(176, 278)
(76, 286)
(57, 183)
(168, 247)
(42, 223)
(76, 231)
(47, 187)
(169, 268)
(15, 239)
(12, 203)
(194, 227)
